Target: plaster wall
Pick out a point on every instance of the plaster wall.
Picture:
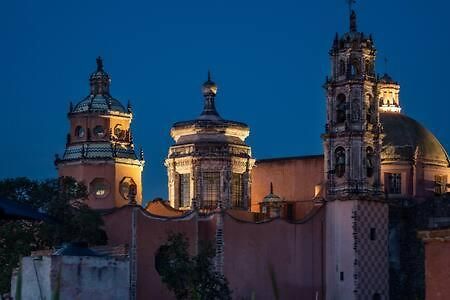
(293, 179)
(112, 172)
(274, 258)
(437, 270)
(151, 233)
(74, 277)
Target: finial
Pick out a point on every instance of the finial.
(271, 188)
(129, 107)
(141, 153)
(70, 107)
(209, 87)
(99, 64)
(99, 80)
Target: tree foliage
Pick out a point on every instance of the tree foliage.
(190, 277)
(61, 199)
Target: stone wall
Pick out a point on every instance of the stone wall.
(72, 277)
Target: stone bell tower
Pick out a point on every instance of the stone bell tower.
(356, 214)
(99, 149)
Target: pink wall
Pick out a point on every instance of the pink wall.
(277, 253)
(152, 232)
(437, 270)
(294, 179)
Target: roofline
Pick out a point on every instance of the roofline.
(265, 160)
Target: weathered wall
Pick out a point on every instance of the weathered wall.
(74, 277)
(151, 233)
(274, 257)
(437, 270)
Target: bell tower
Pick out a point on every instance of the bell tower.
(100, 149)
(356, 214)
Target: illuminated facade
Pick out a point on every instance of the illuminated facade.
(322, 235)
(209, 166)
(355, 208)
(100, 150)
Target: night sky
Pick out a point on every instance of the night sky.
(269, 59)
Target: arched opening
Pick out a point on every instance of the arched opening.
(339, 165)
(369, 67)
(79, 132)
(355, 67)
(341, 67)
(340, 109)
(370, 110)
(355, 110)
(370, 162)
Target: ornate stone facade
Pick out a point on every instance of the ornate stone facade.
(356, 214)
(209, 166)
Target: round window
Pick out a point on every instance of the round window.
(99, 188)
(119, 132)
(124, 186)
(99, 131)
(79, 132)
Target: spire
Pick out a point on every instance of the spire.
(99, 64)
(353, 21)
(209, 89)
(335, 42)
(129, 108)
(99, 80)
(271, 188)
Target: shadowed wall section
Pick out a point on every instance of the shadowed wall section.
(151, 232)
(259, 258)
(275, 258)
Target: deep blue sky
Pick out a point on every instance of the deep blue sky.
(269, 59)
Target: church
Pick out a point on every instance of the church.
(307, 227)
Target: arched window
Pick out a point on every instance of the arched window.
(370, 161)
(370, 110)
(341, 67)
(99, 131)
(340, 108)
(355, 110)
(339, 161)
(99, 188)
(355, 67)
(79, 132)
(369, 67)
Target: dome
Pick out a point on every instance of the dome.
(99, 102)
(386, 78)
(404, 138)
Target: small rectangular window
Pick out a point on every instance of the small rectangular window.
(373, 234)
(237, 190)
(394, 185)
(184, 190)
(440, 184)
(210, 189)
(342, 276)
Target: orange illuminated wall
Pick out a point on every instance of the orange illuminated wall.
(293, 179)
